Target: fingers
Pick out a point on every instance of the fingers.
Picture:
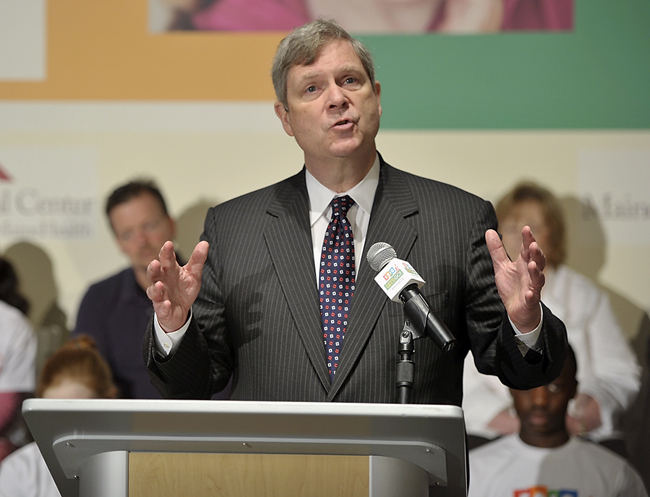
(537, 280)
(161, 305)
(537, 255)
(154, 271)
(535, 261)
(163, 310)
(175, 288)
(166, 259)
(166, 255)
(198, 258)
(156, 292)
(494, 245)
(530, 250)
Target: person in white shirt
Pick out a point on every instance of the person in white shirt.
(609, 374)
(75, 371)
(544, 459)
(17, 356)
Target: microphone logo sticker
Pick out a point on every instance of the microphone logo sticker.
(392, 276)
(410, 269)
(391, 271)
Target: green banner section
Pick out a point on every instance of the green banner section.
(595, 77)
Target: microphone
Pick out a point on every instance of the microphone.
(401, 283)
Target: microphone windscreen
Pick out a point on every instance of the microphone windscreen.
(380, 254)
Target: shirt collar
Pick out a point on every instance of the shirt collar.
(363, 193)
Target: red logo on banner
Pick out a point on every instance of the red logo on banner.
(4, 176)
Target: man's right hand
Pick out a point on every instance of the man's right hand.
(174, 288)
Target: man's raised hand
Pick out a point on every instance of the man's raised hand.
(520, 282)
(174, 288)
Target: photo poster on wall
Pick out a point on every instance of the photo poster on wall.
(581, 66)
(364, 16)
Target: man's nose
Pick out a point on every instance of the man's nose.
(540, 396)
(336, 96)
(140, 237)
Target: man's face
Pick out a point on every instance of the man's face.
(542, 410)
(334, 108)
(141, 227)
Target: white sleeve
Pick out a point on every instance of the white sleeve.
(17, 370)
(527, 341)
(24, 473)
(166, 343)
(614, 378)
(630, 483)
(484, 397)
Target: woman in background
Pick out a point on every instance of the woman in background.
(74, 371)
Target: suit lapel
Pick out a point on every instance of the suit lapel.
(288, 238)
(392, 205)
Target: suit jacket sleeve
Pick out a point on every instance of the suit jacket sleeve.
(502, 357)
(202, 364)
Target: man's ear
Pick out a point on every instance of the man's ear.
(283, 115)
(378, 93)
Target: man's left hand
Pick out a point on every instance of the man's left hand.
(520, 282)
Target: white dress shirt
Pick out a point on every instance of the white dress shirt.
(320, 213)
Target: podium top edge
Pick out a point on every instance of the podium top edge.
(232, 406)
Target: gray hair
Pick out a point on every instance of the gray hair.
(303, 45)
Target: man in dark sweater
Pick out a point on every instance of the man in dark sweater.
(115, 311)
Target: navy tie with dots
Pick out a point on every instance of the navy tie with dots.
(336, 281)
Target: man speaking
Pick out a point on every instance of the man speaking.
(278, 293)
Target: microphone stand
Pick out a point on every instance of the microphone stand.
(425, 322)
(405, 365)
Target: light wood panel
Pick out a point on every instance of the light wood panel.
(245, 475)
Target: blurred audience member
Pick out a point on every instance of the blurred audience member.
(35, 272)
(17, 354)
(544, 459)
(75, 371)
(116, 311)
(609, 374)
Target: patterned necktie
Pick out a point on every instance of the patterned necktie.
(336, 281)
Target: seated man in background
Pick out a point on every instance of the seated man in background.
(609, 374)
(17, 354)
(115, 311)
(544, 459)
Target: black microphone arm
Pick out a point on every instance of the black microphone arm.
(424, 320)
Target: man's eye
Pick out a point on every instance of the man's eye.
(310, 89)
(350, 80)
(152, 226)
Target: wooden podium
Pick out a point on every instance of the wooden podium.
(137, 448)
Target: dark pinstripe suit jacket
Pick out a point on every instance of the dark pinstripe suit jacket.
(257, 315)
